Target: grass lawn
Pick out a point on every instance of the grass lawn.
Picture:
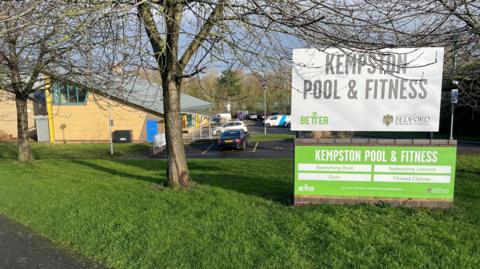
(112, 211)
(271, 137)
(8, 150)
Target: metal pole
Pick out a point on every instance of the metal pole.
(209, 129)
(110, 124)
(201, 130)
(193, 133)
(265, 108)
(451, 122)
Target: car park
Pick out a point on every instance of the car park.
(278, 120)
(235, 139)
(231, 125)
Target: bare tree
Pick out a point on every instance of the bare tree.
(35, 36)
(180, 49)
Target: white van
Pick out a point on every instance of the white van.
(280, 120)
(221, 118)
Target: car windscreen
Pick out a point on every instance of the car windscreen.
(230, 135)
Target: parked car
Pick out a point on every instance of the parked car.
(236, 139)
(252, 116)
(221, 118)
(280, 120)
(242, 115)
(231, 125)
(261, 116)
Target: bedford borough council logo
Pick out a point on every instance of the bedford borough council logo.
(388, 119)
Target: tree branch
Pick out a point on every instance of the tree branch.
(202, 34)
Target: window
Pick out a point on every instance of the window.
(68, 94)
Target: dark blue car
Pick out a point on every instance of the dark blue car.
(234, 139)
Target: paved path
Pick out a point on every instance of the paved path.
(22, 248)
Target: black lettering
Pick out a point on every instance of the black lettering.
(413, 92)
(317, 89)
(339, 64)
(402, 63)
(371, 63)
(327, 89)
(335, 90)
(403, 88)
(350, 62)
(368, 88)
(361, 62)
(393, 89)
(383, 83)
(329, 65)
(307, 86)
(423, 94)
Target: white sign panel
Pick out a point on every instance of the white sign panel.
(387, 90)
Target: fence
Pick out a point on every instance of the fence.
(159, 143)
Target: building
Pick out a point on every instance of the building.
(8, 116)
(73, 111)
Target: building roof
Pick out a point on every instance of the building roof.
(136, 91)
(149, 95)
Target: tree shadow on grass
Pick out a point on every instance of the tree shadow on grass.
(8, 151)
(114, 172)
(242, 176)
(467, 171)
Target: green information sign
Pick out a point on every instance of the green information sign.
(417, 172)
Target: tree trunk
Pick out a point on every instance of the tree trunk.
(177, 172)
(24, 151)
(171, 79)
(172, 71)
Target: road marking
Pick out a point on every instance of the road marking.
(255, 148)
(205, 151)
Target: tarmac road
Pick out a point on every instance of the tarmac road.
(255, 150)
(282, 149)
(21, 247)
(272, 150)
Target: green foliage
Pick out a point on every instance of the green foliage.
(238, 215)
(229, 83)
(245, 91)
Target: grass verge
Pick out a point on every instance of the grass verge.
(8, 150)
(271, 137)
(112, 211)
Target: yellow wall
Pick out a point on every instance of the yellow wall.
(89, 122)
(8, 116)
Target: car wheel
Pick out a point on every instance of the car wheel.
(287, 125)
(268, 124)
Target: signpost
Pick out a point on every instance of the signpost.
(411, 174)
(453, 101)
(387, 90)
(391, 90)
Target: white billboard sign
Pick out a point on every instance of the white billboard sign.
(387, 90)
